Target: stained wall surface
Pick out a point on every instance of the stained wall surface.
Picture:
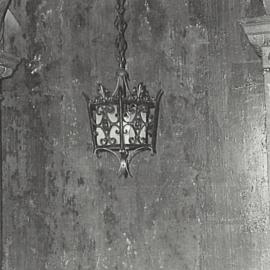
(202, 203)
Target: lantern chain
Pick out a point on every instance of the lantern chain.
(120, 41)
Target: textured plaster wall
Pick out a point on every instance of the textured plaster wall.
(201, 204)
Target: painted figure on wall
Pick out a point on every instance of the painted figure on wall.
(8, 62)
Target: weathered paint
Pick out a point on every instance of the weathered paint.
(201, 204)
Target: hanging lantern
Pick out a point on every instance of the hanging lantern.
(123, 122)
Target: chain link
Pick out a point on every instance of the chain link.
(121, 25)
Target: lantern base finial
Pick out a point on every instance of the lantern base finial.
(124, 165)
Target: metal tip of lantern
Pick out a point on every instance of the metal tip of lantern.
(124, 170)
(153, 152)
(159, 95)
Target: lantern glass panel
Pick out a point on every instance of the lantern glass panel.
(107, 125)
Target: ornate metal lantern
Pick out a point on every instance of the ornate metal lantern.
(123, 122)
